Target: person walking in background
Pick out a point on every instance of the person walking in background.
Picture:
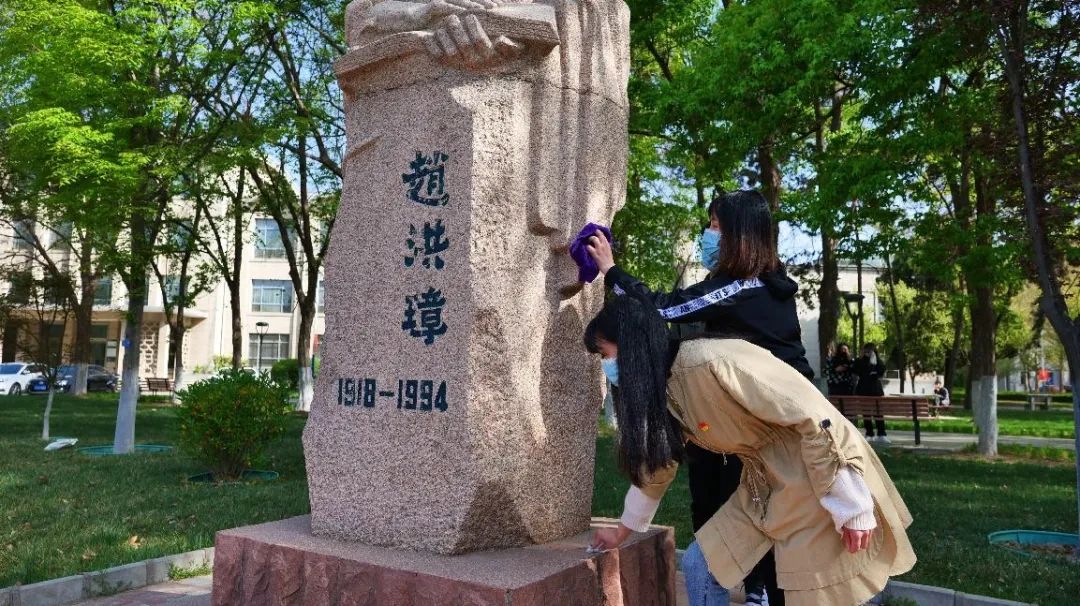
(838, 372)
(868, 371)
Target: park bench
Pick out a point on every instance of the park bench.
(1042, 399)
(157, 385)
(915, 408)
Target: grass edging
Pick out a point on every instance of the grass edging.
(920, 594)
(99, 583)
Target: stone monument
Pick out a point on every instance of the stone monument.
(455, 408)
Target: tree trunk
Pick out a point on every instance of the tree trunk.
(828, 298)
(124, 437)
(234, 283)
(967, 386)
(178, 331)
(770, 179)
(949, 380)
(303, 354)
(897, 323)
(983, 370)
(237, 328)
(80, 358)
(48, 410)
(84, 314)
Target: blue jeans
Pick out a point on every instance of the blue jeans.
(701, 587)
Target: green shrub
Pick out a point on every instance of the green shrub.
(228, 420)
(287, 373)
(221, 362)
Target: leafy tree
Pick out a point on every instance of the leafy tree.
(110, 95)
(1040, 54)
(301, 126)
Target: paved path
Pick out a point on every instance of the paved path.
(196, 592)
(956, 441)
(188, 592)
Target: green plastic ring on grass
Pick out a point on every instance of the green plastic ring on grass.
(1031, 537)
(248, 475)
(106, 450)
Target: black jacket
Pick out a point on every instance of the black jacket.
(760, 310)
(869, 377)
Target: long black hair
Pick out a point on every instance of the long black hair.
(748, 239)
(649, 438)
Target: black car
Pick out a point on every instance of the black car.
(98, 378)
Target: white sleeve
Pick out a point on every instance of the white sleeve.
(849, 502)
(638, 509)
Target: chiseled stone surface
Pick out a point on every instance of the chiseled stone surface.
(331, 571)
(455, 406)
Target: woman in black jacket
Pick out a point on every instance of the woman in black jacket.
(869, 369)
(747, 294)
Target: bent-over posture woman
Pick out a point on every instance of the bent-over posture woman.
(747, 293)
(812, 489)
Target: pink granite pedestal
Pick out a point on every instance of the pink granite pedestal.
(282, 563)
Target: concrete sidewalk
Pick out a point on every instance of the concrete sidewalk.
(933, 440)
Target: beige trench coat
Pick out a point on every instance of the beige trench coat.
(736, 398)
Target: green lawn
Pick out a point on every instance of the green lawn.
(63, 513)
(1011, 422)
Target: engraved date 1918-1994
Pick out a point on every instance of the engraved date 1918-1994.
(411, 394)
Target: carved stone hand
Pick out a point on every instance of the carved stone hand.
(463, 41)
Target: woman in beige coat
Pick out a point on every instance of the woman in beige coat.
(812, 488)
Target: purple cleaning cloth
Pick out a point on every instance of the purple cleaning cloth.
(587, 269)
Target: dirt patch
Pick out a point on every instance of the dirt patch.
(1055, 550)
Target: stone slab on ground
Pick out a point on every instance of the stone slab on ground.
(50, 593)
(187, 592)
(157, 570)
(115, 580)
(925, 595)
(264, 563)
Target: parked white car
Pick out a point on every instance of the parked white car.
(15, 376)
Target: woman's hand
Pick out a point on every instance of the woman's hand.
(610, 538)
(600, 250)
(856, 540)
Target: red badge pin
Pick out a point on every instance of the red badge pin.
(703, 426)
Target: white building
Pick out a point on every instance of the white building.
(266, 296)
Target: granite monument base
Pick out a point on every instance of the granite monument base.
(283, 563)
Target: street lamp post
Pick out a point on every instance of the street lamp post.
(858, 272)
(261, 328)
(855, 315)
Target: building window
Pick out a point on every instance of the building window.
(21, 285)
(268, 242)
(60, 236)
(103, 291)
(274, 347)
(24, 235)
(51, 343)
(271, 296)
(183, 236)
(172, 290)
(320, 297)
(55, 291)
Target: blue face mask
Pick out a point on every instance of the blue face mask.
(710, 248)
(611, 369)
